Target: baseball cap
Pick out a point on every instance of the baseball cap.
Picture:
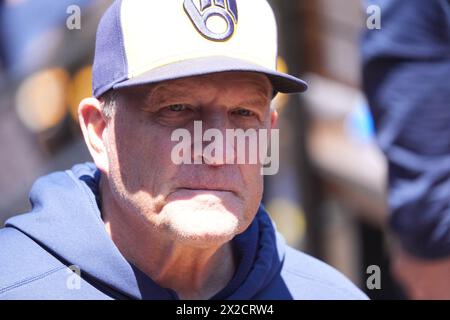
(147, 41)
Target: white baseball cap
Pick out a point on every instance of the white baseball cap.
(148, 41)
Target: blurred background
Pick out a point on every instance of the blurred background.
(328, 198)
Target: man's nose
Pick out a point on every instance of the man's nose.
(216, 149)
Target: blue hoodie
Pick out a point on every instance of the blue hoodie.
(64, 232)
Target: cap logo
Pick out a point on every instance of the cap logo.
(225, 9)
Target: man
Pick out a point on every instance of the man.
(405, 72)
(137, 225)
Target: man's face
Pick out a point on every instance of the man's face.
(196, 203)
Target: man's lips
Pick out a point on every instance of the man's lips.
(206, 189)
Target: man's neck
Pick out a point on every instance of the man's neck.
(192, 272)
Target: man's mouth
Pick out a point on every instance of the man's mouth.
(208, 189)
(198, 190)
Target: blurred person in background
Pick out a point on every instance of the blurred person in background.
(406, 70)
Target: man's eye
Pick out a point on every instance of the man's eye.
(177, 107)
(243, 112)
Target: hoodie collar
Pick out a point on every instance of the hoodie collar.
(66, 221)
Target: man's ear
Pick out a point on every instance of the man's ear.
(273, 118)
(93, 126)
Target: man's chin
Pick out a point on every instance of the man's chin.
(200, 225)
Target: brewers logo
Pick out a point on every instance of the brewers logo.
(225, 9)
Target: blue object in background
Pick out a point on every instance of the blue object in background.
(23, 21)
(360, 124)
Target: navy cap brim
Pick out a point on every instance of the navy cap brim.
(281, 82)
